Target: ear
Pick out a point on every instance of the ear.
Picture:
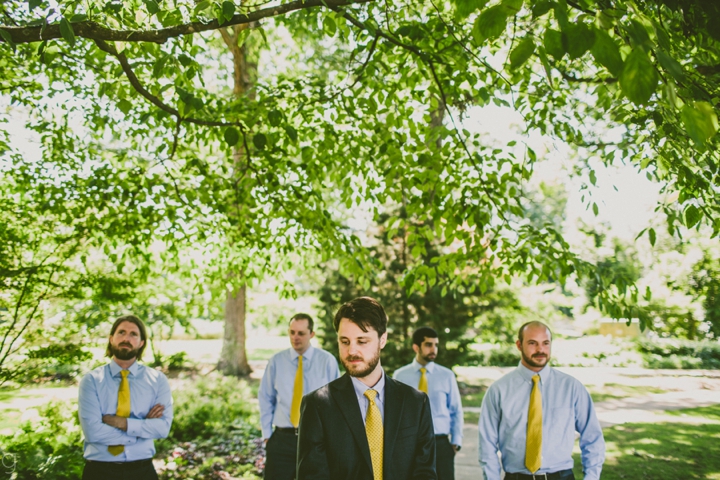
(383, 340)
(416, 349)
(312, 334)
(142, 344)
(518, 345)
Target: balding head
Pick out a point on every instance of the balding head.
(532, 324)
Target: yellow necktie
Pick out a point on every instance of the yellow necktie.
(375, 435)
(123, 408)
(297, 395)
(422, 386)
(533, 445)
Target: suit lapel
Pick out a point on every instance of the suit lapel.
(346, 400)
(393, 414)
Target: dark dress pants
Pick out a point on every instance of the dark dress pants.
(141, 470)
(281, 455)
(444, 458)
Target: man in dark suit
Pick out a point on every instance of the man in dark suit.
(365, 425)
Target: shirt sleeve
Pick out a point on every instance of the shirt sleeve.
(592, 442)
(456, 413)
(90, 413)
(488, 433)
(267, 398)
(155, 427)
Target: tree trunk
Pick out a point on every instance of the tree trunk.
(233, 358)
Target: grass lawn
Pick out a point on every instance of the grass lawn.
(611, 391)
(663, 451)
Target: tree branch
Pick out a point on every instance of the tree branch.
(95, 31)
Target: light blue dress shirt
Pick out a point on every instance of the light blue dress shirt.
(98, 396)
(444, 395)
(276, 389)
(566, 408)
(363, 402)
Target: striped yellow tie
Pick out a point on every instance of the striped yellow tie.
(375, 435)
(422, 386)
(297, 394)
(123, 408)
(533, 445)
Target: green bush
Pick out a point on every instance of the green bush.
(50, 449)
(501, 357)
(680, 354)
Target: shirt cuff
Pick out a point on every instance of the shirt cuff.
(134, 427)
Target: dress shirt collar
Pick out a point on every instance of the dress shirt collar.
(115, 368)
(379, 387)
(306, 356)
(429, 367)
(527, 374)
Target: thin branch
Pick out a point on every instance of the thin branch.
(94, 31)
(135, 82)
(572, 78)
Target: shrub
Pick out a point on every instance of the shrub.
(676, 353)
(501, 357)
(50, 448)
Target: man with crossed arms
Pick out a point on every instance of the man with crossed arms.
(123, 406)
(440, 385)
(531, 415)
(289, 375)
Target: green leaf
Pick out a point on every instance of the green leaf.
(700, 121)
(33, 4)
(580, 39)
(651, 234)
(607, 53)
(232, 136)
(522, 52)
(66, 31)
(152, 6)
(125, 106)
(638, 79)
(329, 26)
(228, 10)
(464, 8)
(274, 117)
(512, 6)
(691, 216)
(595, 208)
(593, 178)
(6, 36)
(554, 44)
(291, 133)
(78, 17)
(260, 141)
(638, 33)
(490, 24)
(204, 5)
(540, 8)
(671, 65)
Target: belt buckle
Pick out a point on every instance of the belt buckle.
(296, 431)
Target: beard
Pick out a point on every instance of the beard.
(361, 371)
(124, 353)
(538, 360)
(428, 358)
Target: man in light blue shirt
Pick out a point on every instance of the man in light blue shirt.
(277, 390)
(566, 408)
(118, 443)
(441, 387)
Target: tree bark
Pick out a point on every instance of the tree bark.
(233, 358)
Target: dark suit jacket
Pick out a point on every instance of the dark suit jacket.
(332, 444)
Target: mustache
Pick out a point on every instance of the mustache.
(352, 358)
(539, 355)
(125, 345)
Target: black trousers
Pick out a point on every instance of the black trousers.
(281, 456)
(140, 470)
(444, 458)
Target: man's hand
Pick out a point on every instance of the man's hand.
(156, 411)
(115, 421)
(456, 448)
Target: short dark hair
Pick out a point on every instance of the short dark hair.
(533, 323)
(141, 327)
(421, 333)
(364, 312)
(303, 316)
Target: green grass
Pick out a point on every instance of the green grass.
(663, 451)
(261, 354)
(613, 391)
(10, 418)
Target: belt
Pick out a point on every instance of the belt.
(442, 437)
(123, 465)
(539, 476)
(292, 430)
